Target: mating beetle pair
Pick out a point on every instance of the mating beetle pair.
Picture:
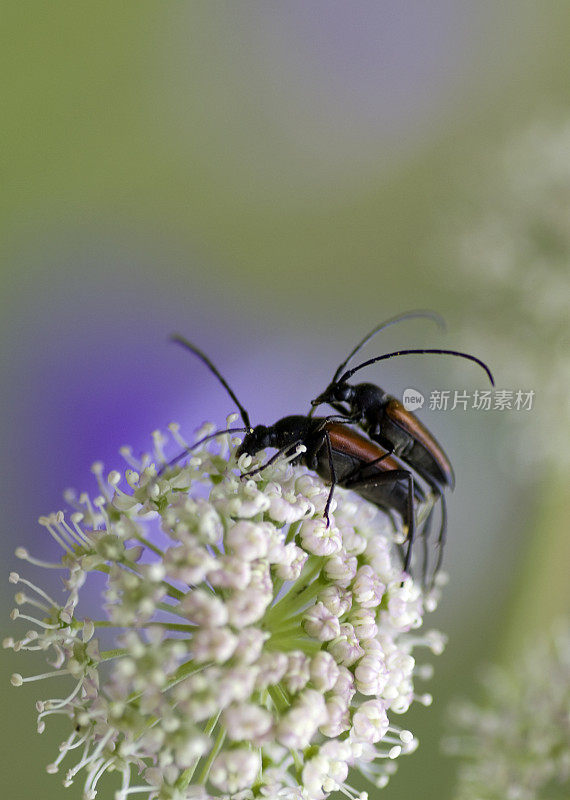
(380, 466)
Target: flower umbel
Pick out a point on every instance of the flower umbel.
(512, 264)
(254, 651)
(517, 746)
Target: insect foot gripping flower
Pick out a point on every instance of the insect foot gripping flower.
(243, 649)
(517, 746)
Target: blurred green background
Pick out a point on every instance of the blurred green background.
(273, 180)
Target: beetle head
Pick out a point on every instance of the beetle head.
(256, 439)
(334, 393)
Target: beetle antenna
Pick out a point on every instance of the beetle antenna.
(189, 449)
(415, 314)
(204, 358)
(370, 361)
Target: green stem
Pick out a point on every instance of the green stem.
(291, 599)
(295, 642)
(297, 603)
(279, 698)
(169, 626)
(542, 591)
(184, 780)
(292, 532)
(297, 761)
(171, 591)
(109, 655)
(290, 626)
(169, 609)
(184, 670)
(150, 546)
(211, 724)
(291, 535)
(211, 756)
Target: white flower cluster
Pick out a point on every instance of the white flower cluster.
(517, 746)
(256, 652)
(513, 261)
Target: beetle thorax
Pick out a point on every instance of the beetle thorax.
(368, 400)
(295, 428)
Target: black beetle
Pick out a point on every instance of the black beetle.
(339, 454)
(385, 420)
(343, 457)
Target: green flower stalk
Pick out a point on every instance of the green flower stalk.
(243, 649)
(516, 746)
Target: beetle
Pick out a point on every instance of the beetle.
(343, 457)
(387, 422)
(337, 453)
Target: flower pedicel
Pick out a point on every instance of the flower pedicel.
(255, 652)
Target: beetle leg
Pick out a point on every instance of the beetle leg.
(440, 540)
(290, 448)
(392, 476)
(410, 521)
(332, 478)
(343, 411)
(359, 469)
(194, 446)
(425, 534)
